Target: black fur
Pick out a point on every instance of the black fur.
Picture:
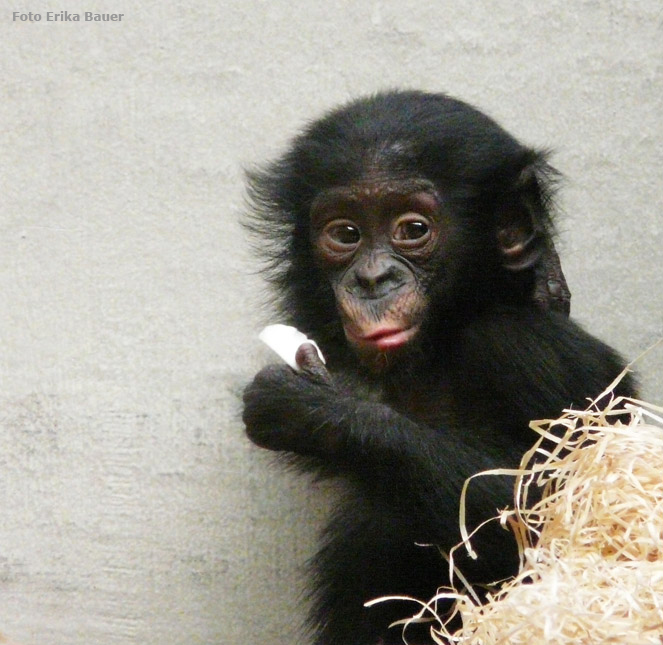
(458, 398)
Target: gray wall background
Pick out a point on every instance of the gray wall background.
(133, 509)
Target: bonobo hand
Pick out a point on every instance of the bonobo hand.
(551, 291)
(309, 361)
(279, 401)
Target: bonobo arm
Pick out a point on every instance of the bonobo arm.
(305, 414)
(296, 412)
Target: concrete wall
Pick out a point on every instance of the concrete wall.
(133, 509)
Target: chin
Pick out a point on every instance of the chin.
(379, 361)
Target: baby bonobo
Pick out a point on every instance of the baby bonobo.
(411, 237)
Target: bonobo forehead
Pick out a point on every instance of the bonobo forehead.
(376, 187)
(430, 135)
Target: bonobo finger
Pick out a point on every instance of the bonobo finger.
(308, 360)
(551, 290)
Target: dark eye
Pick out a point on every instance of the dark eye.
(340, 236)
(411, 231)
(345, 234)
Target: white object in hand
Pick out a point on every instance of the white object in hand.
(285, 341)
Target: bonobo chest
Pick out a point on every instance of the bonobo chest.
(427, 400)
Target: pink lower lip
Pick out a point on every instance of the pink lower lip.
(387, 339)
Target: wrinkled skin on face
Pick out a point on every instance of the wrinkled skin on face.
(375, 241)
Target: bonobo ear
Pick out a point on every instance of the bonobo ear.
(521, 219)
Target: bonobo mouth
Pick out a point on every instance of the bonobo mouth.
(384, 338)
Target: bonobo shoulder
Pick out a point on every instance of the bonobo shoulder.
(525, 333)
(536, 362)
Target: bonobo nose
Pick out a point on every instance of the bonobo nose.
(377, 279)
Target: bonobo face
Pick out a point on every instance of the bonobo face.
(376, 241)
